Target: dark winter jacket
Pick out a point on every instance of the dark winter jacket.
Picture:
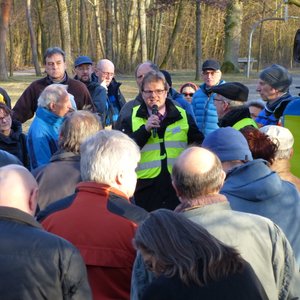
(63, 167)
(8, 159)
(15, 143)
(36, 264)
(27, 103)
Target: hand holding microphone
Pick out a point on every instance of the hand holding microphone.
(154, 112)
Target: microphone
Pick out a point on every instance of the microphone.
(154, 112)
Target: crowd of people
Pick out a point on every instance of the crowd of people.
(183, 194)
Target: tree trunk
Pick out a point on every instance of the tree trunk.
(98, 28)
(233, 29)
(174, 35)
(198, 40)
(4, 21)
(63, 16)
(109, 30)
(32, 40)
(130, 33)
(142, 17)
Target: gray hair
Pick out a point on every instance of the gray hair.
(52, 94)
(180, 246)
(105, 155)
(76, 128)
(192, 186)
(54, 50)
(151, 64)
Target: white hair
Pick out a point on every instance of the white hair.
(105, 155)
(52, 94)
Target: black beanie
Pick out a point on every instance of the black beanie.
(277, 77)
(235, 91)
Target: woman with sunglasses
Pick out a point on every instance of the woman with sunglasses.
(188, 90)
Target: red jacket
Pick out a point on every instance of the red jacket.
(103, 238)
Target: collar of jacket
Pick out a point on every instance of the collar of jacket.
(234, 115)
(200, 202)
(172, 111)
(113, 87)
(64, 155)
(64, 81)
(206, 90)
(18, 215)
(48, 116)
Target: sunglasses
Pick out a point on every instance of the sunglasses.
(188, 94)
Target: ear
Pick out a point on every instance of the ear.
(32, 203)
(119, 178)
(52, 106)
(223, 175)
(176, 190)
(292, 153)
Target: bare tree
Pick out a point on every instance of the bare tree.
(175, 32)
(109, 29)
(233, 29)
(198, 40)
(63, 16)
(142, 16)
(4, 22)
(32, 39)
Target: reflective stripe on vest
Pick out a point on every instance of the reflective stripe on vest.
(244, 122)
(175, 141)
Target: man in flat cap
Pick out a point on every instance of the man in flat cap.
(229, 100)
(203, 100)
(273, 87)
(83, 68)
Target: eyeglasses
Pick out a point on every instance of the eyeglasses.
(212, 73)
(107, 73)
(5, 118)
(83, 68)
(156, 92)
(220, 100)
(188, 94)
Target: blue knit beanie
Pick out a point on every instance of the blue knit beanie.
(228, 144)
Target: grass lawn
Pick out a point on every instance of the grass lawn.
(18, 83)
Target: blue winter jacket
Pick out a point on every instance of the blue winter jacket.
(205, 110)
(272, 112)
(254, 188)
(43, 137)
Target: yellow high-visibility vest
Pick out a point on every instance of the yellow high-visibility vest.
(175, 141)
(243, 123)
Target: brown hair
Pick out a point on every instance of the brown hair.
(261, 146)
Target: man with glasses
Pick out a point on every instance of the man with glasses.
(230, 99)
(115, 100)
(202, 102)
(162, 130)
(83, 68)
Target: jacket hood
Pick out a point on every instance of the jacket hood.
(253, 181)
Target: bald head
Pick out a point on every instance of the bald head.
(197, 172)
(196, 160)
(18, 188)
(105, 71)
